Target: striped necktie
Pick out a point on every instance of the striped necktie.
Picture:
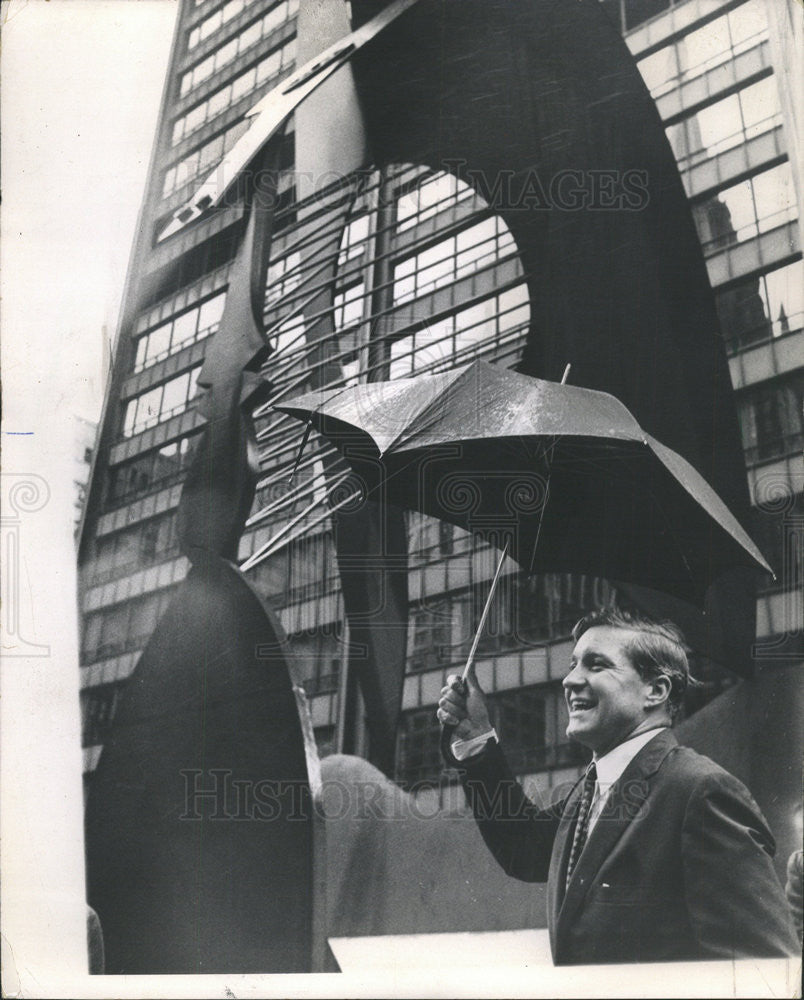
(582, 823)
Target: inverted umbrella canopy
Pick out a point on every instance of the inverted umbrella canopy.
(478, 445)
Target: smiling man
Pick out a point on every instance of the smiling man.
(657, 853)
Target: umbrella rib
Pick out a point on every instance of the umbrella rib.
(424, 412)
(549, 460)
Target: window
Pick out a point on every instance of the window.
(159, 403)
(317, 655)
(284, 276)
(99, 705)
(288, 338)
(772, 418)
(441, 631)
(472, 332)
(355, 236)
(348, 306)
(154, 346)
(279, 60)
(147, 542)
(430, 194)
(779, 536)
(431, 630)
(123, 628)
(459, 255)
(269, 22)
(760, 107)
(215, 20)
(157, 468)
(446, 541)
(90, 638)
(658, 68)
(418, 747)
(728, 123)
(210, 314)
(549, 604)
(771, 305)
(203, 158)
(705, 48)
(148, 405)
(187, 327)
(349, 355)
(519, 718)
(500, 631)
(747, 209)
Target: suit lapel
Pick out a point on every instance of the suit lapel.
(623, 805)
(560, 858)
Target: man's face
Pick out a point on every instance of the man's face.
(605, 695)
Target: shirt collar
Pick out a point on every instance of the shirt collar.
(612, 764)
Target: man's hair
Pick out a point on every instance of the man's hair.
(658, 649)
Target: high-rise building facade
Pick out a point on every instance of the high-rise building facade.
(427, 277)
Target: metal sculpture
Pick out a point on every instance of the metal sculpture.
(188, 868)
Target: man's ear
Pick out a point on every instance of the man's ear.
(658, 691)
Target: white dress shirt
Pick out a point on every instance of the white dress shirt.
(461, 749)
(611, 766)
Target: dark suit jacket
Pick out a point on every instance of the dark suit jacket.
(678, 866)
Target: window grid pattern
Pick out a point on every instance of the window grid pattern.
(747, 209)
(202, 159)
(122, 628)
(418, 748)
(317, 655)
(355, 239)
(125, 551)
(519, 717)
(348, 306)
(160, 403)
(763, 308)
(699, 51)
(188, 327)
(244, 40)
(98, 708)
(527, 611)
(427, 196)
(520, 720)
(772, 418)
(223, 15)
(284, 276)
(154, 470)
(278, 61)
(455, 339)
(469, 250)
(731, 122)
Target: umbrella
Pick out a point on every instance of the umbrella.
(483, 447)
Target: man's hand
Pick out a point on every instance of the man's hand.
(464, 706)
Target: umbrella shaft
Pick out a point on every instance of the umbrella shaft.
(471, 657)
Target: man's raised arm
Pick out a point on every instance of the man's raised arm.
(518, 833)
